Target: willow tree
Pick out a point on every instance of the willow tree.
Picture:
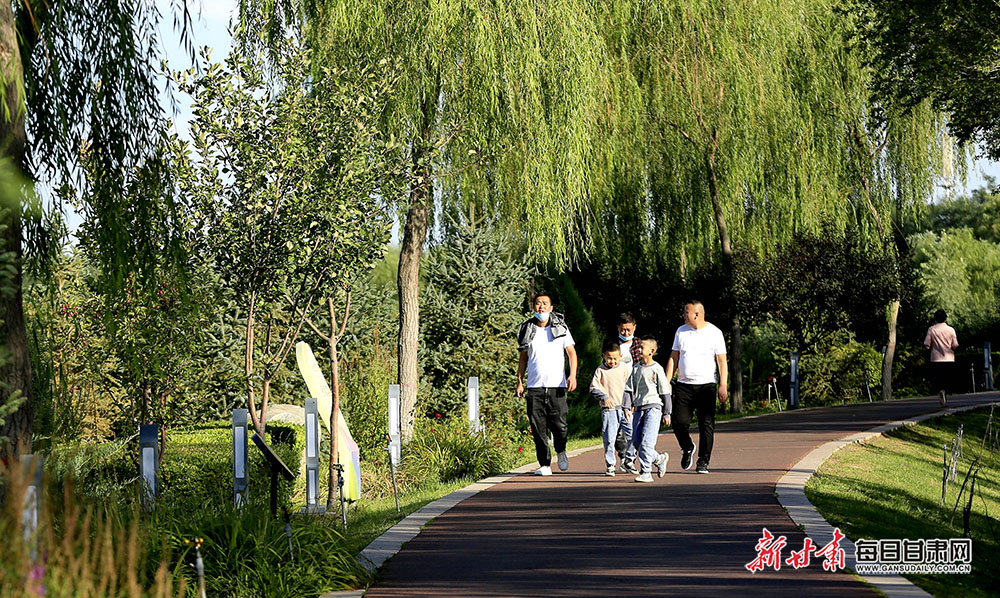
(510, 106)
(76, 75)
(758, 126)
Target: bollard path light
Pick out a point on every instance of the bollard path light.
(148, 463)
(31, 469)
(473, 394)
(793, 395)
(241, 475)
(394, 438)
(988, 365)
(312, 454)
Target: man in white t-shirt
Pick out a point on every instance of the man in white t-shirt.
(699, 350)
(542, 341)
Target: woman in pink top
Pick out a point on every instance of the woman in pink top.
(942, 341)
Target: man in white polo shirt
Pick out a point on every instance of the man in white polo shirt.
(542, 341)
(699, 350)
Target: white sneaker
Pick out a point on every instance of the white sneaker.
(610, 471)
(661, 464)
(563, 461)
(543, 470)
(645, 478)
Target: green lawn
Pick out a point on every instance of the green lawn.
(891, 488)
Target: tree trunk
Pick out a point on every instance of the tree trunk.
(890, 351)
(258, 424)
(15, 372)
(736, 352)
(414, 237)
(736, 368)
(414, 234)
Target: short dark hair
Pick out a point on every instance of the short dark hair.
(651, 339)
(626, 317)
(694, 301)
(543, 293)
(612, 347)
(940, 316)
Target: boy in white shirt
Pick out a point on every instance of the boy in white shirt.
(649, 390)
(608, 387)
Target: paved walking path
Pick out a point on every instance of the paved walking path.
(580, 533)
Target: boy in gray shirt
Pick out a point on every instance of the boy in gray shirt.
(650, 393)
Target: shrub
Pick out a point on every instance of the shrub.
(444, 450)
(837, 373)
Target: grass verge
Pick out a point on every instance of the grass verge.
(890, 488)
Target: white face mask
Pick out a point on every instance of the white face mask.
(541, 317)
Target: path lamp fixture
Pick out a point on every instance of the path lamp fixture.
(394, 438)
(149, 464)
(312, 456)
(475, 423)
(988, 365)
(793, 395)
(241, 476)
(31, 471)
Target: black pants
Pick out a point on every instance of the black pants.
(547, 411)
(700, 399)
(942, 375)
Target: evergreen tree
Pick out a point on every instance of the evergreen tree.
(470, 311)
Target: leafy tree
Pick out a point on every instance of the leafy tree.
(960, 274)
(980, 213)
(757, 127)
(293, 180)
(75, 74)
(819, 286)
(508, 106)
(945, 51)
(471, 308)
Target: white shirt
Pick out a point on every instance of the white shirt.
(698, 349)
(626, 349)
(547, 359)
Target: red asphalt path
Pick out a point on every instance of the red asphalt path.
(580, 533)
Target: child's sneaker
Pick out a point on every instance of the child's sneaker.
(563, 461)
(543, 470)
(661, 464)
(610, 471)
(644, 478)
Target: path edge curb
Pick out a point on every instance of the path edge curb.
(790, 492)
